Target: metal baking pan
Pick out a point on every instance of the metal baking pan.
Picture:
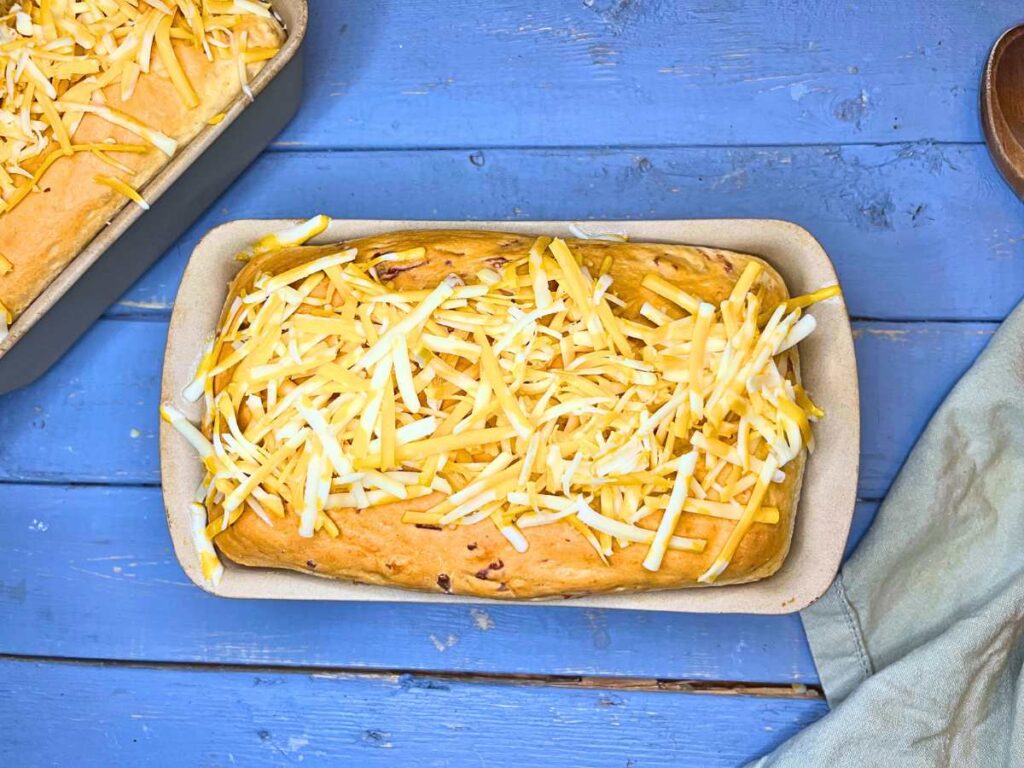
(133, 240)
(827, 363)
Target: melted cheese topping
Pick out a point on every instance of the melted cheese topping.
(56, 56)
(524, 396)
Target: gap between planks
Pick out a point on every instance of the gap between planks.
(420, 679)
(286, 147)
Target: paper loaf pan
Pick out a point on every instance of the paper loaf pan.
(133, 240)
(827, 362)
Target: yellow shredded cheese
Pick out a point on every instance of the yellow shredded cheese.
(172, 65)
(124, 188)
(800, 302)
(296, 235)
(526, 396)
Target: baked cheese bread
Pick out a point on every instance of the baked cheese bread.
(583, 460)
(85, 130)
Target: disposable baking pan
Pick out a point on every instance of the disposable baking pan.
(827, 363)
(178, 194)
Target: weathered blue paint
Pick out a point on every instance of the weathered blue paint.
(93, 418)
(917, 231)
(84, 715)
(628, 72)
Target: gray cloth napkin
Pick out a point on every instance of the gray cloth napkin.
(918, 640)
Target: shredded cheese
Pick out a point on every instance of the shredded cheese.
(172, 65)
(526, 396)
(124, 188)
(209, 563)
(670, 517)
(56, 57)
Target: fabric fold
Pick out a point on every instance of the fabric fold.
(918, 641)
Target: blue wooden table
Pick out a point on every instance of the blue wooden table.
(858, 121)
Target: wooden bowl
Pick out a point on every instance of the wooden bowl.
(1002, 106)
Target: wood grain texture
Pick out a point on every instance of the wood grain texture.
(615, 72)
(83, 715)
(917, 231)
(93, 418)
(88, 572)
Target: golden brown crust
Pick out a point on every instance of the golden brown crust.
(51, 226)
(376, 547)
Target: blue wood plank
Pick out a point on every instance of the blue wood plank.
(613, 72)
(917, 231)
(93, 418)
(906, 370)
(95, 716)
(863, 516)
(88, 572)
